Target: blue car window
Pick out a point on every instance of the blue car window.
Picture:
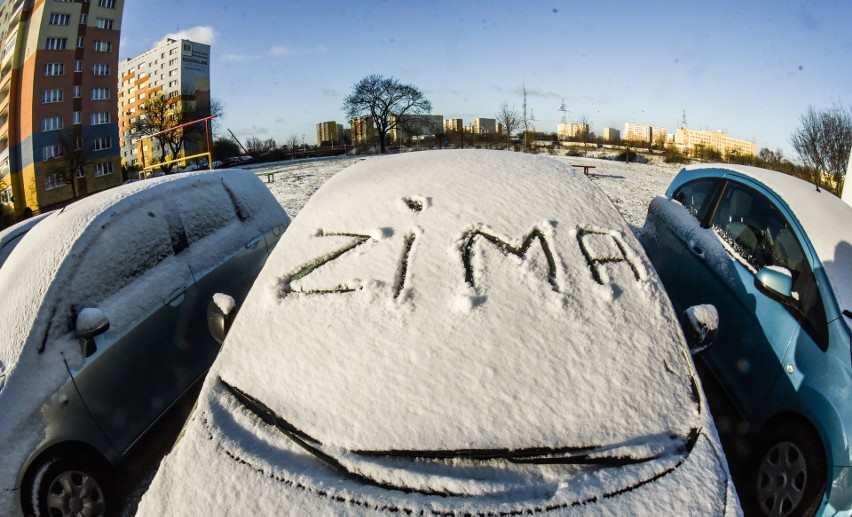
(695, 195)
(760, 234)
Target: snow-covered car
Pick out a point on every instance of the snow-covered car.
(11, 236)
(104, 325)
(774, 254)
(452, 333)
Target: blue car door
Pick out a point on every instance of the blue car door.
(747, 232)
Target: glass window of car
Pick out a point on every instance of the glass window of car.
(696, 195)
(761, 236)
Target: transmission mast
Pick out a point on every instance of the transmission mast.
(562, 112)
(683, 120)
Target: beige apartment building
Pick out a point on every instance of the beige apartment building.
(58, 133)
(566, 131)
(178, 69)
(453, 125)
(690, 138)
(636, 132)
(329, 132)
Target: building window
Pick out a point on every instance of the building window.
(103, 23)
(59, 19)
(78, 65)
(103, 168)
(102, 143)
(80, 173)
(100, 69)
(76, 91)
(52, 181)
(50, 152)
(77, 117)
(84, 17)
(109, 4)
(100, 118)
(54, 69)
(51, 123)
(49, 96)
(99, 94)
(80, 41)
(56, 43)
(103, 46)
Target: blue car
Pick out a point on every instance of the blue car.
(773, 254)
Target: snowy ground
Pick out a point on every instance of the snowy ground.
(630, 186)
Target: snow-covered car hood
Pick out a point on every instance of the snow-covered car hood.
(400, 313)
(477, 324)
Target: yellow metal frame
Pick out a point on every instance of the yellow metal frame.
(208, 154)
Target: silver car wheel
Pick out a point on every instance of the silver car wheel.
(75, 493)
(781, 480)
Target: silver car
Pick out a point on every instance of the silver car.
(104, 325)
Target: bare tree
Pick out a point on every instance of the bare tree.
(824, 140)
(69, 157)
(509, 120)
(156, 117)
(256, 147)
(292, 142)
(583, 133)
(386, 100)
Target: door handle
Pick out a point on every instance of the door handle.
(697, 250)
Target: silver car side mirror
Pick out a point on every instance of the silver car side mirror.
(220, 315)
(90, 322)
(700, 324)
(775, 282)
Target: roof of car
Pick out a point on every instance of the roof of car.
(399, 311)
(825, 218)
(39, 272)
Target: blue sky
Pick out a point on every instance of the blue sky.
(749, 68)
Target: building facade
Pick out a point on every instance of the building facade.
(484, 126)
(610, 134)
(415, 126)
(176, 69)
(566, 131)
(635, 132)
(363, 130)
(453, 125)
(329, 132)
(58, 128)
(691, 138)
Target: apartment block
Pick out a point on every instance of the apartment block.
(566, 131)
(413, 126)
(58, 128)
(610, 134)
(453, 125)
(329, 132)
(690, 138)
(484, 126)
(636, 132)
(363, 130)
(178, 69)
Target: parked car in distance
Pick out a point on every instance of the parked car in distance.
(104, 325)
(451, 332)
(773, 253)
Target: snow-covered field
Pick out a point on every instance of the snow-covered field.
(630, 186)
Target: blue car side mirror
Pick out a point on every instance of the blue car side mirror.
(90, 323)
(220, 315)
(775, 282)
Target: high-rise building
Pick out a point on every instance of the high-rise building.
(636, 132)
(484, 126)
(179, 70)
(363, 130)
(329, 132)
(610, 134)
(566, 131)
(58, 128)
(453, 125)
(415, 126)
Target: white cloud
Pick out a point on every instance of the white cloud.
(201, 34)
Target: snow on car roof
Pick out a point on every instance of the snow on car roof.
(40, 273)
(825, 218)
(461, 299)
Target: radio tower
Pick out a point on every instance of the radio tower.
(562, 112)
(683, 120)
